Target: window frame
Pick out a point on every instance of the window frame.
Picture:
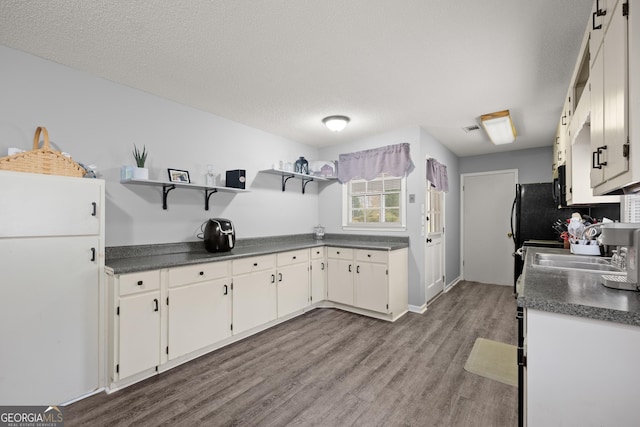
(347, 208)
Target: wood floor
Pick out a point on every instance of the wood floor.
(332, 368)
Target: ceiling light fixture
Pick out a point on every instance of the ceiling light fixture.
(336, 123)
(499, 127)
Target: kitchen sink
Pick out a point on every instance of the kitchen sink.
(577, 262)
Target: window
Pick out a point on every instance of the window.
(631, 208)
(435, 210)
(376, 204)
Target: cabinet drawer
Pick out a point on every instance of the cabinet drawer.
(317, 253)
(139, 282)
(340, 253)
(293, 257)
(248, 265)
(371, 256)
(198, 273)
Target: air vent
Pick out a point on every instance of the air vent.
(471, 128)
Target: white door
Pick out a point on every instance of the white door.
(486, 225)
(139, 333)
(254, 300)
(372, 289)
(293, 288)
(340, 281)
(434, 253)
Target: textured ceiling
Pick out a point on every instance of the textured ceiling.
(282, 66)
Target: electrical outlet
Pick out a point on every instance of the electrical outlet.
(412, 198)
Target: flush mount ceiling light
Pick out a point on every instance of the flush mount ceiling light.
(336, 123)
(499, 127)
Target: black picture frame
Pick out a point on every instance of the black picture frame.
(177, 175)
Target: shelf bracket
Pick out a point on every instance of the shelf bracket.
(305, 182)
(286, 178)
(165, 191)
(207, 195)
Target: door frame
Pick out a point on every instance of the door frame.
(462, 230)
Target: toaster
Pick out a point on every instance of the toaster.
(219, 235)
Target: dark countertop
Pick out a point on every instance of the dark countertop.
(130, 259)
(575, 293)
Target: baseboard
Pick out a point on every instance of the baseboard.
(452, 284)
(420, 309)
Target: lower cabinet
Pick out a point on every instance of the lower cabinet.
(293, 281)
(254, 292)
(199, 314)
(340, 275)
(136, 323)
(372, 280)
(318, 276)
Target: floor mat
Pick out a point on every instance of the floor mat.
(495, 360)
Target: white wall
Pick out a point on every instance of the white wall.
(421, 144)
(534, 164)
(98, 122)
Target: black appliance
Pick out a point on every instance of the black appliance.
(533, 213)
(236, 178)
(219, 235)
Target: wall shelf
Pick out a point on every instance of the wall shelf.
(168, 186)
(287, 175)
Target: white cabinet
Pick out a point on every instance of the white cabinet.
(373, 280)
(293, 281)
(371, 287)
(611, 79)
(199, 307)
(318, 274)
(254, 292)
(580, 371)
(51, 316)
(136, 323)
(340, 287)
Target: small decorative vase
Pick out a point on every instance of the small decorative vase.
(302, 166)
(140, 173)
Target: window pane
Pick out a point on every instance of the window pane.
(373, 201)
(359, 187)
(373, 215)
(358, 215)
(392, 215)
(375, 186)
(393, 184)
(392, 200)
(357, 202)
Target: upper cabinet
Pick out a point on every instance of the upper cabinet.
(610, 143)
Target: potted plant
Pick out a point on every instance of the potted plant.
(140, 172)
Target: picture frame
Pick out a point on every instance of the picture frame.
(177, 175)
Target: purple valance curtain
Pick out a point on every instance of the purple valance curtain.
(394, 160)
(437, 175)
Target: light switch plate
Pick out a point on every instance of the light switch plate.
(412, 198)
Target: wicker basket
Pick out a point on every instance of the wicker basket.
(42, 160)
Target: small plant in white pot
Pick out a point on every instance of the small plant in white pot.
(140, 172)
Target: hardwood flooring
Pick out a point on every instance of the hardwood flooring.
(332, 368)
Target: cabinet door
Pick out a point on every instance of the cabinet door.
(64, 206)
(372, 290)
(199, 315)
(49, 319)
(139, 333)
(318, 280)
(293, 288)
(254, 300)
(340, 281)
(597, 120)
(615, 94)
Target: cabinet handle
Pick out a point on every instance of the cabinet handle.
(273, 278)
(599, 11)
(369, 255)
(563, 121)
(140, 282)
(322, 266)
(595, 158)
(358, 269)
(255, 264)
(294, 257)
(349, 268)
(593, 22)
(202, 273)
(95, 208)
(157, 306)
(338, 252)
(93, 254)
(226, 290)
(279, 277)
